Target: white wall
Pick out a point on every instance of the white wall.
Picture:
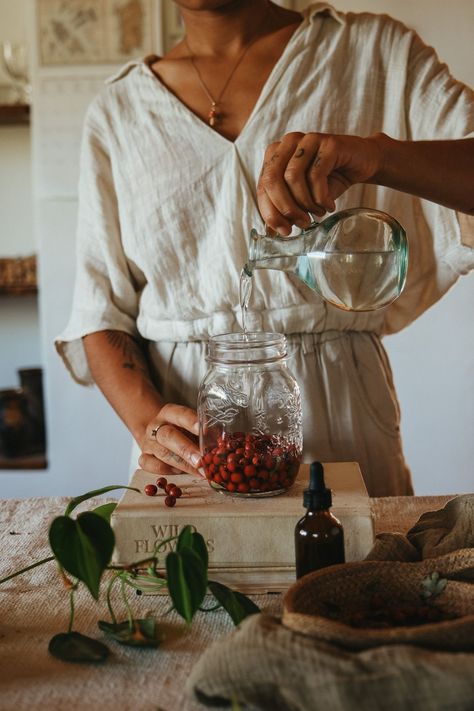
(19, 324)
(432, 360)
(88, 446)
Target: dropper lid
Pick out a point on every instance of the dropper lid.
(317, 495)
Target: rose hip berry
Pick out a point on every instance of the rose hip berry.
(249, 463)
(173, 492)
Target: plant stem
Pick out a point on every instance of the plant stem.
(71, 608)
(210, 609)
(109, 602)
(125, 601)
(24, 570)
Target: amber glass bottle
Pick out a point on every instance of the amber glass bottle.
(319, 536)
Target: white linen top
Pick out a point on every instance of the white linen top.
(166, 203)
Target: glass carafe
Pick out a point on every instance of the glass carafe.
(250, 415)
(355, 259)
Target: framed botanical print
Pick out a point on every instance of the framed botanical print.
(73, 32)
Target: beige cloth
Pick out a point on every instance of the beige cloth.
(166, 206)
(34, 607)
(266, 665)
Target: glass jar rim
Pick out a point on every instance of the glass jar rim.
(256, 347)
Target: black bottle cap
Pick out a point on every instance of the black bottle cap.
(317, 495)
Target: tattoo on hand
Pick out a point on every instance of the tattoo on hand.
(317, 160)
(299, 153)
(176, 458)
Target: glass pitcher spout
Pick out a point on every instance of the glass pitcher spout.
(355, 259)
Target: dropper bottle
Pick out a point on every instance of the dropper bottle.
(319, 536)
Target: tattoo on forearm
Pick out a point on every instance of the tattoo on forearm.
(132, 354)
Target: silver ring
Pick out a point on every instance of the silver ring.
(154, 431)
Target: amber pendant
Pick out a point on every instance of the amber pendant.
(213, 115)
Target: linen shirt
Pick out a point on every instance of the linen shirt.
(166, 204)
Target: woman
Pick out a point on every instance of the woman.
(312, 104)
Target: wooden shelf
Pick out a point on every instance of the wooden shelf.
(14, 114)
(18, 290)
(18, 276)
(32, 461)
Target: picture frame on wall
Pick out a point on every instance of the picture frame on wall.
(79, 32)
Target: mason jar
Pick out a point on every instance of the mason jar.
(250, 417)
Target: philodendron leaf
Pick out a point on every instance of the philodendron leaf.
(144, 632)
(83, 547)
(238, 606)
(192, 539)
(97, 492)
(106, 510)
(187, 581)
(75, 647)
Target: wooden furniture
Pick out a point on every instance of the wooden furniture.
(14, 114)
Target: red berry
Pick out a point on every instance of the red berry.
(169, 488)
(236, 478)
(231, 487)
(243, 488)
(249, 470)
(170, 501)
(150, 490)
(161, 482)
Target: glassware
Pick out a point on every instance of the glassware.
(355, 259)
(13, 423)
(15, 60)
(250, 416)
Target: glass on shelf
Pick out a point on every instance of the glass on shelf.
(15, 62)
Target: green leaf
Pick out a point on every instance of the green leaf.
(83, 547)
(185, 539)
(237, 605)
(75, 647)
(187, 581)
(144, 632)
(193, 540)
(105, 511)
(90, 494)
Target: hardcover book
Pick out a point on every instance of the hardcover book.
(250, 540)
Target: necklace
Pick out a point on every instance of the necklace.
(214, 114)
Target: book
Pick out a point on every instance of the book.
(250, 540)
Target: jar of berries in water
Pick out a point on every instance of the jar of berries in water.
(250, 416)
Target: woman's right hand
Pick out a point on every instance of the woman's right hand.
(170, 444)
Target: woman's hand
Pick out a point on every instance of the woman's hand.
(170, 442)
(308, 171)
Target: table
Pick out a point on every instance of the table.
(34, 607)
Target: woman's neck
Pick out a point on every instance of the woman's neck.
(224, 31)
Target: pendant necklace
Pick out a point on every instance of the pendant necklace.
(214, 114)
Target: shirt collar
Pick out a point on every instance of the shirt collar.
(322, 8)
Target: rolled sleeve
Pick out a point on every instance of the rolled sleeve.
(104, 294)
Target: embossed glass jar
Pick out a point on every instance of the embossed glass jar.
(250, 416)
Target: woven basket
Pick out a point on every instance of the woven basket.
(315, 604)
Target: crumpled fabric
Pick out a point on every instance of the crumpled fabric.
(264, 665)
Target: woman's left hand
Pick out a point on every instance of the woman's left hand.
(308, 171)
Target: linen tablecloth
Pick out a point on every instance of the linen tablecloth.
(35, 606)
